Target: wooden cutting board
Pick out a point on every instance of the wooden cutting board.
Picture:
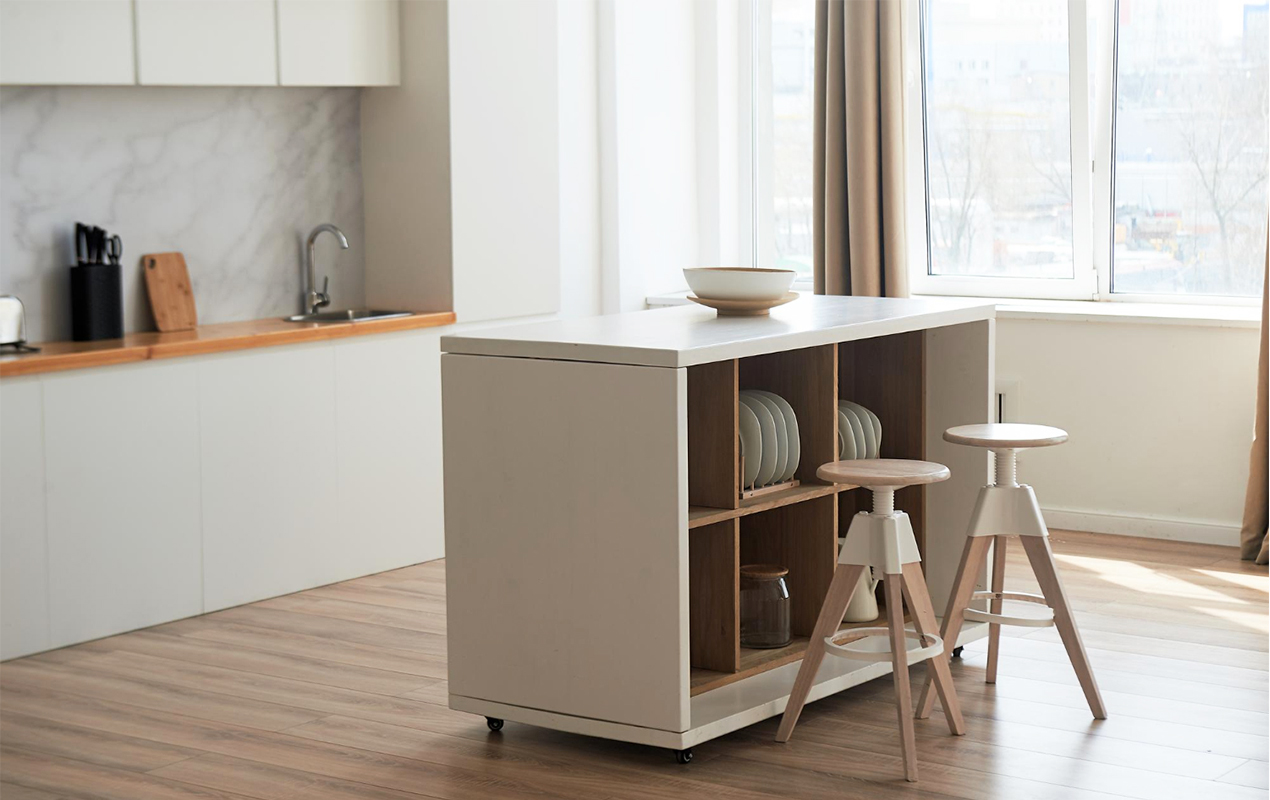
(171, 298)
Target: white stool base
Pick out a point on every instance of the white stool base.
(1045, 619)
(1007, 511)
(884, 542)
(874, 644)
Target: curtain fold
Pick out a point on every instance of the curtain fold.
(859, 163)
(1252, 537)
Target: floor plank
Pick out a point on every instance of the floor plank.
(341, 692)
(81, 779)
(1255, 774)
(96, 747)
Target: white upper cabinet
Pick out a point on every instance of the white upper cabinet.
(338, 43)
(207, 43)
(66, 42)
(201, 42)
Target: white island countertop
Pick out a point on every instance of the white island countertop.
(688, 335)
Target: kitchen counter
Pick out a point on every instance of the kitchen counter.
(689, 335)
(218, 338)
(595, 520)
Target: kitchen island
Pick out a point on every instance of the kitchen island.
(596, 521)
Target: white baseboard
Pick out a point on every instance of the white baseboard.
(1147, 527)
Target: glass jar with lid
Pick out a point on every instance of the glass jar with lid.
(764, 606)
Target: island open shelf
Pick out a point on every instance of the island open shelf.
(596, 520)
(796, 527)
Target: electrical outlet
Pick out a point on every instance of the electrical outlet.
(1008, 406)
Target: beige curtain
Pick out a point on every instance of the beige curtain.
(858, 197)
(1253, 536)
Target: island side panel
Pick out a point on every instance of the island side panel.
(960, 389)
(566, 502)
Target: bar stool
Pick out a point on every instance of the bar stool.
(1009, 508)
(884, 541)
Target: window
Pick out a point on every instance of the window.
(998, 146)
(1106, 150)
(1190, 148)
(1062, 148)
(784, 112)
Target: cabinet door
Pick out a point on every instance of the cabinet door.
(24, 618)
(121, 455)
(269, 474)
(206, 43)
(66, 42)
(338, 43)
(388, 403)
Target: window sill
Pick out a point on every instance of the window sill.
(1131, 313)
(1089, 311)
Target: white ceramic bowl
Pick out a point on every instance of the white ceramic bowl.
(739, 283)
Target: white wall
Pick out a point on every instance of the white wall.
(1160, 418)
(481, 169)
(579, 158)
(648, 148)
(505, 157)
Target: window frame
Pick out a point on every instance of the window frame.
(1083, 285)
(1092, 138)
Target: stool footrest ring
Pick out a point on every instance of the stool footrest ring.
(1044, 619)
(874, 644)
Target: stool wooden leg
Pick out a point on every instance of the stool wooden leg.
(835, 605)
(1041, 558)
(892, 585)
(972, 561)
(937, 667)
(998, 585)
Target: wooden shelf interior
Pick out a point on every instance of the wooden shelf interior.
(753, 662)
(797, 528)
(714, 596)
(705, 515)
(887, 375)
(801, 536)
(714, 476)
(808, 381)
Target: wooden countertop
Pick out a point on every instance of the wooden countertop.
(220, 338)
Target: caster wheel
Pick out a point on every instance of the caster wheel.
(683, 756)
(494, 724)
(957, 652)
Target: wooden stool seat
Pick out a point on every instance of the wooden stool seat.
(1005, 435)
(883, 541)
(883, 472)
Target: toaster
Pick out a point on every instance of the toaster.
(13, 325)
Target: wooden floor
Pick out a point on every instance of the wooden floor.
(340, 692)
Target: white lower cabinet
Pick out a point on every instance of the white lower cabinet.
(388, 443)
(269, 473)
(139, 494)
(121, 452)
(24, 618)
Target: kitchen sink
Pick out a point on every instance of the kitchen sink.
(349, 315)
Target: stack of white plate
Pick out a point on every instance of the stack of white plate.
(769, 438)
(859, 432)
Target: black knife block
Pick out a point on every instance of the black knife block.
(96, 302)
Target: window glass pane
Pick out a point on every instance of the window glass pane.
(998, 154)
(793, 64)
(1190, 171)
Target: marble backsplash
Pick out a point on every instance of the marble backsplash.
(233, 178)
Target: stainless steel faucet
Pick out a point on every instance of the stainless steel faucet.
(313, 298)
